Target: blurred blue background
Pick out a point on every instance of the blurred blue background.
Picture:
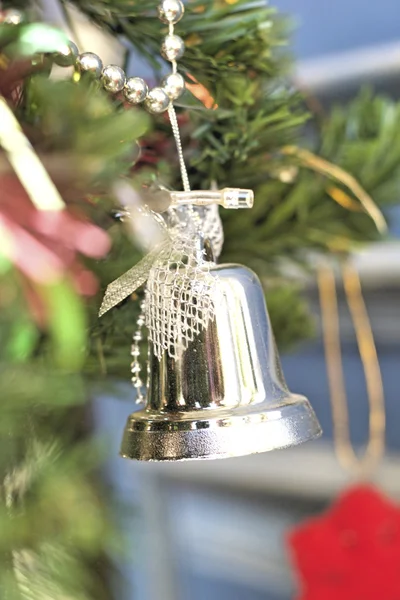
(327, 27)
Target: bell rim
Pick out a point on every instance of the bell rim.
(266, 429)
(206, 418)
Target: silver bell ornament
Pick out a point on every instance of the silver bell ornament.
(225, 394)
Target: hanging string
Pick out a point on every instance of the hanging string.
(175, 127)
(178, 142)
(345, 452)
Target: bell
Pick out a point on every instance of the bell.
(225, 395)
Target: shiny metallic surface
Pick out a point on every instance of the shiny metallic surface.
(88, 62)
(67, 55)
(136, 90)
(171, 11)
(226, 395)
(174, 85)
(157, 101)
(113, 78)
(173, 47)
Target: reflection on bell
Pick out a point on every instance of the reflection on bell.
(226, 396)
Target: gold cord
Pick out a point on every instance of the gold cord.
(324, 167)
(375, 449)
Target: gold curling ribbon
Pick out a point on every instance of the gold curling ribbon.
(324, 167)
(345, 452)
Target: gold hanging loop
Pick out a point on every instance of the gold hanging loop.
(347, 457)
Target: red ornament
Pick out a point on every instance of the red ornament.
(352, 552)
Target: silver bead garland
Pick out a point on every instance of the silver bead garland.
(171, 11)
(113, 78)
(174, 85)
(157, 101)
(89, 62)
(67, 56)
(173, 47)
(135, 89)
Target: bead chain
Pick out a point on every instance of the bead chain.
(177, 136)
(135, 353)
(174, 42)
(136, 91)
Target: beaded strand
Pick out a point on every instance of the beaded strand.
(135, 89)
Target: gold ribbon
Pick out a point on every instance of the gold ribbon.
(365, 340)
(320, 165)
(25, 162)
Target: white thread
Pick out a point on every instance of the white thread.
(178, 142)
(175, 128)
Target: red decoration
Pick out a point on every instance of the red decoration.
(352, 552)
